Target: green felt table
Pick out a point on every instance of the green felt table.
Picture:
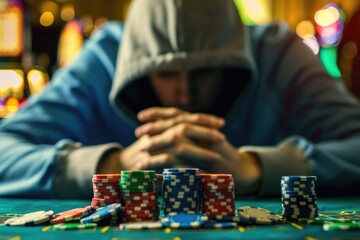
(329, 207)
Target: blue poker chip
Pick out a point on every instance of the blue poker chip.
(298, 178)
(181, 170)
(105, 213)
(184, 220)
(218, 225)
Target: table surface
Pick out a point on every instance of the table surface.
(329, 207)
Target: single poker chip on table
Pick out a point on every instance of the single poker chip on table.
(184, 220)
(103, 214)
(70, 215)
(342, 226)
(257, 215)
(74, 226)
(320, 221)
(140, 225)
(31, 219)
(218, 225)
(227, 218)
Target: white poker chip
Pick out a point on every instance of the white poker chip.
(31, 219)
(140, 225)
(257, 215)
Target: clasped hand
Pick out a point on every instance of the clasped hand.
(171, 137)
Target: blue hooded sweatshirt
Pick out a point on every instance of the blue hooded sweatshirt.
(277, 99)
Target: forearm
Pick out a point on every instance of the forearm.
(77, 165)
(27, 169)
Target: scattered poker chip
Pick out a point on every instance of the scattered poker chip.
(320, 221)
(74, 226)
(105, 213)
(257, 215)
(183, 220)
(141, 225)
(218, 225)
(227, 218)
(70, 215)
(30, 219)
(342, 226)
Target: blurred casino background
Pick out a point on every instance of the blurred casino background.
(39, 36)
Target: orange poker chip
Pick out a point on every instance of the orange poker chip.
(70, 215)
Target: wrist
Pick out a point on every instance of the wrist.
(109, 162)
(252, 179)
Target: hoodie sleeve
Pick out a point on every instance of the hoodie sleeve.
(320, 119)
(42, 152)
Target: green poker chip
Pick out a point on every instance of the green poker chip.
(355, 226)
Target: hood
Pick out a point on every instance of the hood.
(177, 33)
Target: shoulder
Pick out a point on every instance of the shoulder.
(271, 31)
(110, 32)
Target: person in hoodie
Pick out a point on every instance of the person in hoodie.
(185, 83)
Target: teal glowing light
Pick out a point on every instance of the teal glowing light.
(328, 57)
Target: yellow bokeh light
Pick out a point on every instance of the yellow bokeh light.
(49, 6)
(11, 83)
(12, 105)
(257, 10)
(37, 80)
(305, 28)
(11, 32)
(67, 12)
(46, 19)
(326, 17)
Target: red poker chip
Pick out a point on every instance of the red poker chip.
(106, 176)
(106, 186)
(219, 192)
(145, 212)
(219, 204)
(70, 215)
(137, 200)
(223, 213)
(214, 194)
(215, 176)
(104, 201)
(107, 192)
(105, 181)
(103, 197)
(218, 209)
(159, 177)
(219, 187)
(151, 204)
(139, 209)
(99, 194)
(227, 200)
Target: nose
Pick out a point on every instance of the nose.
(184, 89)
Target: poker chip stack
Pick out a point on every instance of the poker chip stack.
(181, 190)
(106, 190)
(218, 194)
(298, 197)
(139, 196)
